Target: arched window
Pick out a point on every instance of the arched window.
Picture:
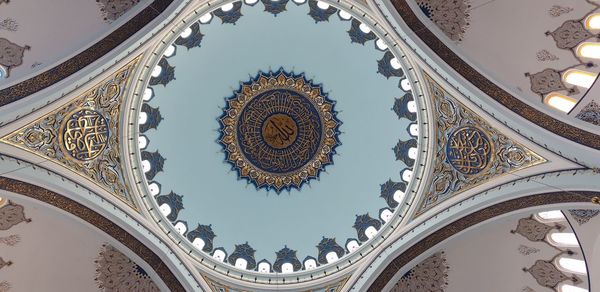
(386, 215)
(322, 5)
(345, 15)
(560, 102)
(381, 45)
(399, 196)
(165, 209)
(180, 227)
(407, 175)
(571, 288)
(563, 239)
(188, 31)
(264, 267)
(310, 264)
(571, 265)
(241, 263)
(219, 255)
(352, 245)
(146, 165)
(287, 268)
(142, 142)
(414, 129)
(158, 69)
(405, 85)
(331, 257)
(148, 93)
(143, 118)
(205, 18)
(580, 78)
(370, 232)
(553, 215)
(169, 51)
(198, 243)
(154, 189)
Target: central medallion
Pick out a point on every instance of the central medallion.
(279, 130)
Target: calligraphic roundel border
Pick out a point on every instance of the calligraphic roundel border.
(486, 157)
(63, 128)
(242, 155)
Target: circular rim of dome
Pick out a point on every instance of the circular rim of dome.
(203, 259)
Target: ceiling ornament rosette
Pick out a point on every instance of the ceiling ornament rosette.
(84, 135)
(234, 14)
(469, 150)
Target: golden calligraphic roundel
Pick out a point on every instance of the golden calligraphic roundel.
(84, 134)
(279, 131)
(469, 150)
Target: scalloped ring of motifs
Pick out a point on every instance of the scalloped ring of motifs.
(327, 144)
(395, 46)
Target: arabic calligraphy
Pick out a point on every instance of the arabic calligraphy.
(279, 131)
(469, 150)
(85, 134)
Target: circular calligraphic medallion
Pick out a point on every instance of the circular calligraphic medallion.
(469, 150)
(84, 134)
(279, 130)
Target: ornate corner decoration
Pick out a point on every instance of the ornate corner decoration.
(116, 272)
(469, 150)
(11, 55)
(431, 275)
(590, 113)
(582, 216)
(84, 135)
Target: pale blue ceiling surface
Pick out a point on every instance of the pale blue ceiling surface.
(192, 103)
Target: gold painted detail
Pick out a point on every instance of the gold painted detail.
(469, 151)
(84, 134)
(279, 131)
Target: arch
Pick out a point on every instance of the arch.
(563, 129)
(102, 223)
(85, 58)
(472, 219)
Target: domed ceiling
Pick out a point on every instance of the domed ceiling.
(278, 137)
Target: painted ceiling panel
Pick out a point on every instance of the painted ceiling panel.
(37, 35)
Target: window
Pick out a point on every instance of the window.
(564, 239)
(405, 84)
(370, 232)
(593, 21)
(589, 50)
(381, 45)
(219, 255)
(352, 245)
(169, 51)
(165, 209)
(344, 15)
(264, 267)
(331, 257)
(143, 118)
(560, 102)
(187, 32)
(227, 7)
(180, 227)
(580, 77)
(198, 243)
(554, 215)
(146, 166)
(205, 18)
(571, 288)
(310, 264)
(241, 263)
(154, 189)
(572, 265)
(413, 129)
(148, 93)
(407, 174)
(322, 5)
(287, 268)
(157, 69)
(142, 142)
(399, 196)
(386, 215)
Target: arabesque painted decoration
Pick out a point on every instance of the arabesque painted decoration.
(279, 130)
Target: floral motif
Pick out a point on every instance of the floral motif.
(116, 272)
(11, 55)
(9, 24)
(12, 214)
(113, 9)
(590, 113)
(557, 10)
(431, 275)
(507, 155)
(546, 81)
(41, 136)
(582, 216)
(545, 55)
(10, 240)
(534, 230)
(546, 274)
(526, 250)
(451, 17)
(570, 34)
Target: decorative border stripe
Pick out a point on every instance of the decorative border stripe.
(97, 220)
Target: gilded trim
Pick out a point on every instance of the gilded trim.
(97, 220)
(470, 220)
(85, 58)
(470, 74)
